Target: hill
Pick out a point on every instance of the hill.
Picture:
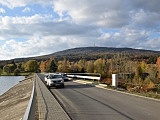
(90, 53)
(97, 52)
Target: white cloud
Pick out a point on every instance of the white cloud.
(35, 46)
(125, 38)
(26, 9)
(152, 44)
(116, 23)
(104, 13)
(145, 19)
(2, 10)
(12, 27)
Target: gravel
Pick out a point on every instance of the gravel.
(13, 103)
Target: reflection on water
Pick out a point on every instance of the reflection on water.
(6, 82)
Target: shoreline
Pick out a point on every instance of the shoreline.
(13, 103)
(7, 82)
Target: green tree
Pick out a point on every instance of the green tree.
(20, 66)
(52, 66)
(1, 71)
(16, 72)
(31, 66)
(7, 69)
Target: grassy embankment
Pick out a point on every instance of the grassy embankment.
(12, 74)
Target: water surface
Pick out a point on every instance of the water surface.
(7, 82)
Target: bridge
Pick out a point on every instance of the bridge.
(86, 101)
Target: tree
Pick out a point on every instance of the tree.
(139, 72)
(81, 65)
(16, 72)
(52, 66)
(44, 66)
(6, 69)
(20, 66)
(9, 68)
(31, 66)
(143, 66)
(90, 67)
(48, 66)
(99, 67)
(65, 66)
(75, 68)
(138, 76)
(158, 66)
(1, 71)
(152, 70)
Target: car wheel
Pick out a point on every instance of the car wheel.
(62, 86)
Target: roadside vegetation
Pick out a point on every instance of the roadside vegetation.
(139, 73)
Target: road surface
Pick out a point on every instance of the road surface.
(84, 102)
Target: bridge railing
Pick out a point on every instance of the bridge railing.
(30, 111)
(42, 104)
(85, 76)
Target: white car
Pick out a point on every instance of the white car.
(54, 80)
(45, 78)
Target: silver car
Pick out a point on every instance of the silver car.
(54, 80)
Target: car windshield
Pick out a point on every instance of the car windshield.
(55, 76)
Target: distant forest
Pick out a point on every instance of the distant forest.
(135, 67)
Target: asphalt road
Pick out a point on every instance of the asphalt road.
(83, 102)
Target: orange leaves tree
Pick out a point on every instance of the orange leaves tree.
(48, 66)
(158, 66)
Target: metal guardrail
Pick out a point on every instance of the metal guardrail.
(30, 111)
(91, 76)
(48, 107)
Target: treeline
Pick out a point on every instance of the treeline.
(131, 71)
(25, 68)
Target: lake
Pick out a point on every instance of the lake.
(7, 82)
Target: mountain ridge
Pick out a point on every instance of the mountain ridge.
(89, 52)
(96, 52)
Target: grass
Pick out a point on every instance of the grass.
(12, 74)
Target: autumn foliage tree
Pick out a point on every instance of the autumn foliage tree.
(90, 67)
(100, 66)
(158, 66)
(44, 66)
(64, 66)
(48, 65)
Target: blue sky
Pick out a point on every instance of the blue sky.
(32, 28)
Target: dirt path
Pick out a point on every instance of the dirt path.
(14, 102)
